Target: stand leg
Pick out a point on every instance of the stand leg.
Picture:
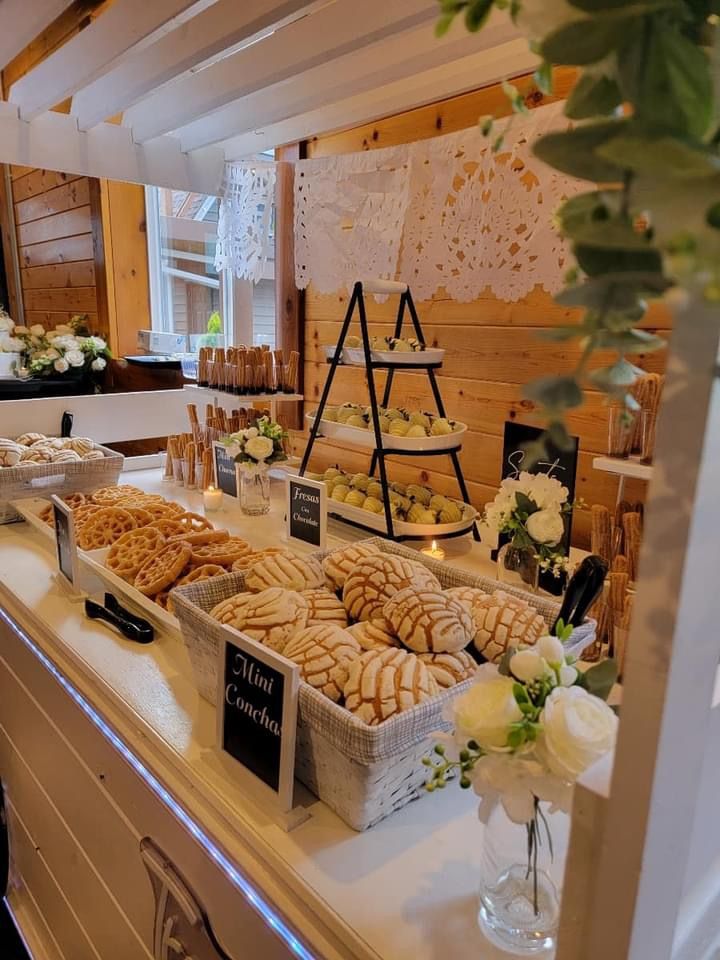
(463, 488)
(357, 293)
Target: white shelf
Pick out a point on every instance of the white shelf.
(246, 398)
(624, 467)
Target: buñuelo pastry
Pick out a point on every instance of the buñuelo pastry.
(383, 683)
(132, 549)
(163, 568)
(324, 652)
(429, 621)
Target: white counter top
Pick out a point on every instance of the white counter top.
(404, 889)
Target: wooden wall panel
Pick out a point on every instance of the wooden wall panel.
(493, 347)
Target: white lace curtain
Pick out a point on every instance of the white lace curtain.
(445, 212)
(245, 217)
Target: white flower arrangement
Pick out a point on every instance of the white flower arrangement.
(69, 347)
(530, 510)
(526, 730)
(258, 446)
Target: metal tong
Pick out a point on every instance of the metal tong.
(129, 624)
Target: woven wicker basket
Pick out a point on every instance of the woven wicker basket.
(363, 773)
(44, 479)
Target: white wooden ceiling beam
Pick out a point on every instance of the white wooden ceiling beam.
(125, 26)
(21, 22)
(449, 80)
(394, 58)
(218, 30)
(53, 142)
(336, 29)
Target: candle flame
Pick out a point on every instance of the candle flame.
(434, 545)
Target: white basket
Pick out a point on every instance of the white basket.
(363, 773)
(44, 479)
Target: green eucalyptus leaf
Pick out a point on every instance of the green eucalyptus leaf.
(603, 260)
(712, 216)
(659, 156)
(593, 96)
(559, 436)
(590, 39)
(525, 504)
(555, 393)
(443, 23)
(621, 374)
(600, 679)
(630, 341)
(477, 13)
(614, 291)
(594, 6)
(543, 77)
(504, 665)
(577, 152)
(612, 234)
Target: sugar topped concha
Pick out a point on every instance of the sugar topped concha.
(338, 564)
(429, 621)
(383, 683)
(10, 452)
(374, 634)
(270, 617)
(324, 653)
(285, 570)
(375, 579)
(500, 621)
(324, 607)
(449, 669)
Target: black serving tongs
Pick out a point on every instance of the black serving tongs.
(129, 624)
(582, 591)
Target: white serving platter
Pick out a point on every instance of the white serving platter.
(366, 438)
(355, 356)
(376, 521)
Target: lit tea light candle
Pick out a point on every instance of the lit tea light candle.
(434, 551)
(212, 499)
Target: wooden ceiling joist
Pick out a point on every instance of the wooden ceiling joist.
(21, 21)
(125, 26)
(335, 29)
(449, 80)
(398, 57)
(218, 30)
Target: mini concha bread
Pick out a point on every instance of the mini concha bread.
(82, 445)
(324, 607)
(383, 683)
(65, 456)
(429, 621)
(10, 452)
(500, 621)
(338, 564)
(26, 439)
(285, 570)
(374, 634)
(375, 579)
(270, 617)
(324, 653)
(449, 669)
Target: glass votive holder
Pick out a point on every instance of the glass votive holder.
(178, 470)
(626, 431)
(188, 474)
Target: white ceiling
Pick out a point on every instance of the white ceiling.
(198, 82)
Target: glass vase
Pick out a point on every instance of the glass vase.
(522, 868)
(254, 491)
(518, 567)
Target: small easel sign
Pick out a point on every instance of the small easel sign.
(67, 554)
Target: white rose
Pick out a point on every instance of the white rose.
(76, 358)
(252, 432)
(577, 729)
(528, 665)
(62, 329)
(12, 344)
(484, 713)
(543, 490)
(259, 448)
(98, 363)
(97, 342)
(568, 675)
(37, 330)
(6, 324)
(516, 781)
(551, 649)
(545, 526)
(21, 332)
(61, 365)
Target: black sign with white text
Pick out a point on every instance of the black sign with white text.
(225, 473)
(65, 540)
(307, 511)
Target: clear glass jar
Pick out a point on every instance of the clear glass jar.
(518, 567)
(254, 490)
(521, 882)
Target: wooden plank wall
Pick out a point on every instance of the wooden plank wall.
(493, 347)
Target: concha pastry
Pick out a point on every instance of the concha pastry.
(65, 456)
(285, 570)
(375, 579)
(383, 683)
(36, 455)
(10, 453)
(324, 652)
(82, 445)
(429, 621)
(324, 607)
(242, 564)
(374, 634)
(270, 617)
(449, 668)
(338, 564)
(93, 455)
(27, 439)
(500, 621)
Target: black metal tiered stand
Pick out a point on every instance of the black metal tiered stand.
(357, 300)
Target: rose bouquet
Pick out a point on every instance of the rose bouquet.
(530, 510)
(69, 348)
(258, 446)
(524, 733)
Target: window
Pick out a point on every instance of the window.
(189, 298)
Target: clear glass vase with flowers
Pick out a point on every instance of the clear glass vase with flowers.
(69, 350)
(254, 450)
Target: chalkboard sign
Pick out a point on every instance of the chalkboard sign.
(225, 473)
(307, 511)
(65, 540)
(257, 713)
(560, 464)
